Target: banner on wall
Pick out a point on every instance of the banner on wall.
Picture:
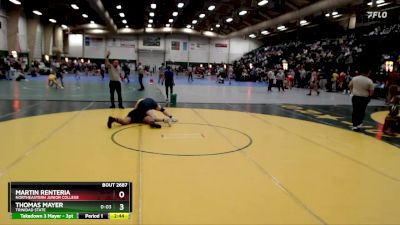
(121, 43)
(175, 45)
(221, 45)
(198, 46)
(152, 41)
(93, 41)
(184, 46)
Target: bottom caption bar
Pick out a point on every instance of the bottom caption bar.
(69, 216)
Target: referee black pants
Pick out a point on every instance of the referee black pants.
(170, 86)
(359, 107)
(270, 83)
(279, 85)
(115, 86)
(141, 82)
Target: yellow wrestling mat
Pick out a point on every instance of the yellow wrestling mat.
(213, 167)
(379, 116)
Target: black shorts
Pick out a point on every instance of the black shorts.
(137, 116)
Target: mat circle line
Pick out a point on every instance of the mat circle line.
(250, 142)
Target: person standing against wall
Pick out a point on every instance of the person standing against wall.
(140, 70)
(7, 68)
(314, 82)
(102, 71)
(115, 84)
(230, 73)
(161, 71)
(362, 89)
(169, 81)
(127, 71)
(280, 77)
(190, 74)
(271, 77)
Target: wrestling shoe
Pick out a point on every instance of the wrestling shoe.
(173, 119)
(110, 121)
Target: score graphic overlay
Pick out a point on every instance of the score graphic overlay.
(68, 200)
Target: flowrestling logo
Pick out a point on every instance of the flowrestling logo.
(379, 15)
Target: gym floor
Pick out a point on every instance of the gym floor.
(239, 162)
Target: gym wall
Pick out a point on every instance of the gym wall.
(3, 30)
(157, 48)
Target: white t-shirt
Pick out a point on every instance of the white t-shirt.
(271, 75)
(361, 86)
(280, 75)
(140, 69)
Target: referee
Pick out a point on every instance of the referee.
(115, 84)
(362, 89)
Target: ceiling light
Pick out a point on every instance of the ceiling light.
(263, 2)
(252, 36)
(230, 19)
(217, 25)
(150, 20)
(15, 2)
(149, 29)
(126, 26)
(153, 6)
(149, 25)
(211, 7)
(151, 14)
(124, 21)
(194, 21)
(64, 27)
(98, 31)
(334, 13)
(74, 6)
(188, 26)
(37, 12)
(122, 15)
(92, 22)
(53, 20)
(383, 4)
(369, 3)
(119, 7)
(167, 25)
(180, 5)
(327, 15)
(211, 29)
(167, 29)
(243, 12)
(187, 30)
(337, 15)
(264, 32)
(208, 33)
(171, 20)
(304, 22)
(281, 28)
(202, 15)
(85, 16)
(175, 14)
(380, 1)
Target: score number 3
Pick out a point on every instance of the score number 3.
(121, 195)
